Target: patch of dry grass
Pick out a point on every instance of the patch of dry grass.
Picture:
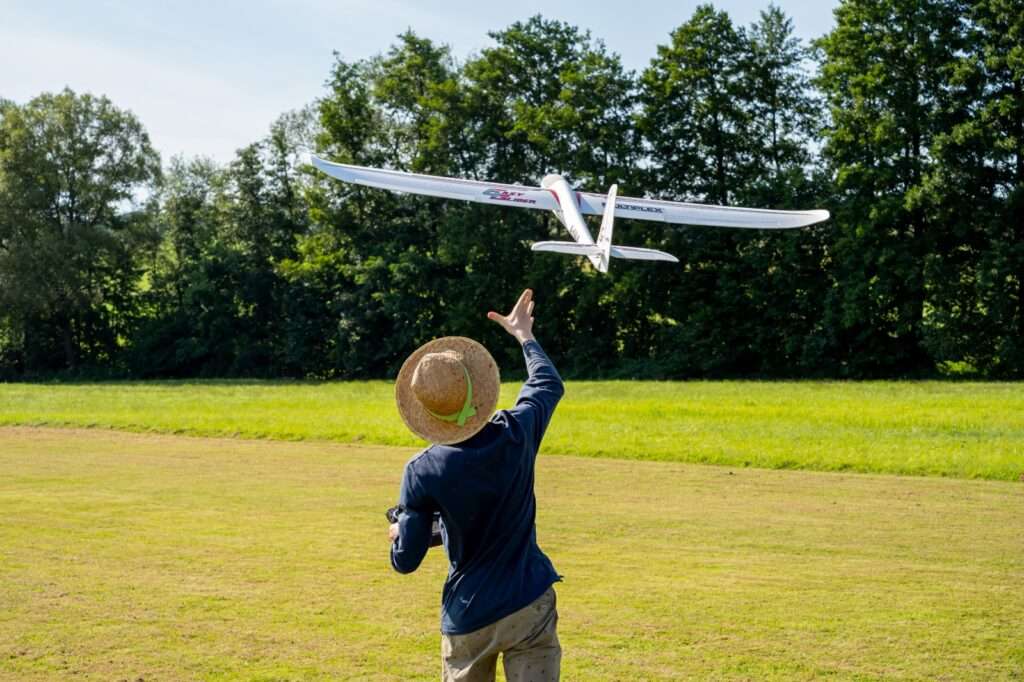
(125, 556)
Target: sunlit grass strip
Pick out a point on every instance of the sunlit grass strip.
(967, 430)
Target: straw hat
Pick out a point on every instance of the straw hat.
(447, 389)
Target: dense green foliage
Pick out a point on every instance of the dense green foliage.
(930, 428)
(909, 131)
(69, 259)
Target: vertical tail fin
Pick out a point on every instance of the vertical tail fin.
(604, 237)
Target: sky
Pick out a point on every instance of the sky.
(206, 78)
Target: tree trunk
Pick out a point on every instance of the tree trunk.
(1016, 214)
(67, 337)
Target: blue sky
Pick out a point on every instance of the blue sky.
(208, 77)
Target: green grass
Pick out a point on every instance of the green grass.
(127, 556)
(966, 430)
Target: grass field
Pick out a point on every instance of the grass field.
(135, 556)
(966, 430)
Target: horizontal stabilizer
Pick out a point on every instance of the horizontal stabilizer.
(571, 248)
(634, 253)
(630, 252)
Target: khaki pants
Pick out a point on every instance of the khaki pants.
(527, 638)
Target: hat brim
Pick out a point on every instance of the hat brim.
(483, 371)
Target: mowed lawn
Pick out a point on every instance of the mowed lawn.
(966, 430)
(139, 556)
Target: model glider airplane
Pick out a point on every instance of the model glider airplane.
(555, 194)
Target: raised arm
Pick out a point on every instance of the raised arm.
(543, 388)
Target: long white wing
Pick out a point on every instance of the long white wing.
(700, 214)
(436, 186)
(521, 196)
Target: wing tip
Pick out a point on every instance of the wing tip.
(818, 215)
(808, 218)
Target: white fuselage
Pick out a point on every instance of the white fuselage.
(569, 213)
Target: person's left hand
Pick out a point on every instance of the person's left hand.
(393, 532)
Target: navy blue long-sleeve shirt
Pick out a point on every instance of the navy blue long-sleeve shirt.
(483, 488)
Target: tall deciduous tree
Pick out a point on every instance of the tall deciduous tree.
(786, 276)
(219, 301)
(73, 171)
(693, 119)
(727, 117)
(884, 73)
(998, 48)
(697, 134)
(783, 116)
(976, 187)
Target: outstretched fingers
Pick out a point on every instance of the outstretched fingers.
(524, 300)
(500, 319)
(521, 316)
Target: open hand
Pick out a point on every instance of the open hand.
(519, 322)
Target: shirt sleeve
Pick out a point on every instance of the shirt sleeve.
(414, 521)
(539, 395)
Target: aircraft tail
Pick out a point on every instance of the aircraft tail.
(604, 237)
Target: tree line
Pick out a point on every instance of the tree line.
(906, 121)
